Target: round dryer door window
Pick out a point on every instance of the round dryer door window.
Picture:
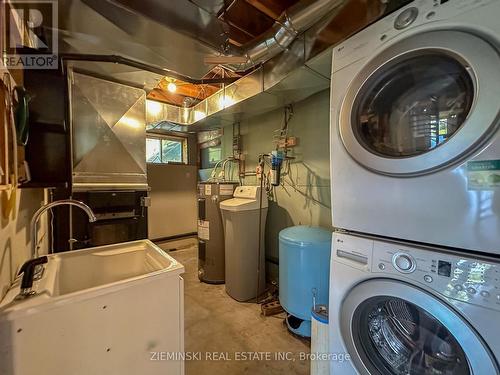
(393, 328)
(422, 104)
(413, 107)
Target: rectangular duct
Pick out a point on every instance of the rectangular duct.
(285, 79)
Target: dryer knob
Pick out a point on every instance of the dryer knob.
(403, 262)
(406, 18)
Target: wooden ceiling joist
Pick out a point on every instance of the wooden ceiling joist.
(166, 97)
(184, 90)
(194, 91)
(248, 19)
(268, 9)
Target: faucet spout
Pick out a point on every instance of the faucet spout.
(41, 210)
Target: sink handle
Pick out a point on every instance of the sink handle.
(28, 271)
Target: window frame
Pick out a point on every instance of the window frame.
(161, 138)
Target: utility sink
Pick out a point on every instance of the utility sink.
(101, 310)
(101, 266)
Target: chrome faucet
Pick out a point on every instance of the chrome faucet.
(41, 210)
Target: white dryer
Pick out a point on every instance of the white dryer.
(403, 310)
(415, 118)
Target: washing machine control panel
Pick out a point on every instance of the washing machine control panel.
(462, 278)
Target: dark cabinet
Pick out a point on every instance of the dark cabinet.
(48, 148)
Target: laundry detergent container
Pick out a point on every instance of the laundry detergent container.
(304, 273)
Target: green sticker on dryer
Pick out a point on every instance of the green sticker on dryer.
(483, 175)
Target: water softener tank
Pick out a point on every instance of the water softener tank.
(304, 274)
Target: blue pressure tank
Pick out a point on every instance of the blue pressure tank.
(304, 273)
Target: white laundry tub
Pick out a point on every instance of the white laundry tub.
(103, 310)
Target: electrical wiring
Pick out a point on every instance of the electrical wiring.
(305, 195)
(288, 180)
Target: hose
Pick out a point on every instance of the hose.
(22, 115)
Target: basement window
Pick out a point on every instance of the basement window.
(166, 150)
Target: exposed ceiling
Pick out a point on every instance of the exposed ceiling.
(179, 34)
(297, 73)
(249, 19)
(240, 24)
(222, 24)
(187, 94)
(106, 28)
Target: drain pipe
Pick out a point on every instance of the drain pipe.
(292, 22)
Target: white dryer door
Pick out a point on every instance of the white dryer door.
(422, 104)
(393, 328)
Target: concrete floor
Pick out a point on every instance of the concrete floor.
(214, 322)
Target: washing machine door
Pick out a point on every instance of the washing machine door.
(393, 328)
(423, 103)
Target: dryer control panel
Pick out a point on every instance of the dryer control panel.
(450, 274)
(417, 14)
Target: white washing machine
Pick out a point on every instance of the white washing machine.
(415, 118)
(403, 310)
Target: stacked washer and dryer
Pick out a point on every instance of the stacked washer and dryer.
(415, 158)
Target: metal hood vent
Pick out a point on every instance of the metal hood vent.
(108, 134)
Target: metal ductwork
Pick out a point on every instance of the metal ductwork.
(283, 76)
(100, 27)
(286, 29)
(189, 19)
(258, 92)
(188, 32)
(183, 16)
(289, 63)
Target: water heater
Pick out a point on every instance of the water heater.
(211, 252)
